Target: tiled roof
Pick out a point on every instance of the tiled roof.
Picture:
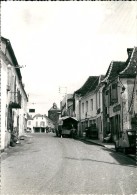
(38, 115)
(114, 69)
(88, 86)
(94, 85)
(131, 65)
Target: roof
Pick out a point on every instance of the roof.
(43, 115)
(68, 117)
(37, 115)
(88, 86)
(94, 85)
(123, 69)
(114, 69)
(131, 64)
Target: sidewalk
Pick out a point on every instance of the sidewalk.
(109, 146)
(23, 139)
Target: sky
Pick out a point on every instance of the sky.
(63, 43)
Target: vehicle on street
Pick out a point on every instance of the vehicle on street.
(67, 126)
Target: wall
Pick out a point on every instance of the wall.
(99, 116)
(90, 113)
(5, 135)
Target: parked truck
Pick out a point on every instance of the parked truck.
(67, 126)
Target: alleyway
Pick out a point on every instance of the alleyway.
(45, 164)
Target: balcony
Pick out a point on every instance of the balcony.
(15, 100)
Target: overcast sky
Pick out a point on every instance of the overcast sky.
(63, 43)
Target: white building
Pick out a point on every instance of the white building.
(13, 96)
(39, 124)
(85, 104)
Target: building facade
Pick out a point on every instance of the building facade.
(40, 124)
(85, 105)
(54, 113)
(14, 98)
(118, 95)
(66, 105)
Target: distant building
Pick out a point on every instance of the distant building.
(39, 124)
(66, 105)
(54, 114)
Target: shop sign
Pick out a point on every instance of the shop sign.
(117, 108)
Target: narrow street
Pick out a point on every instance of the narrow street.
(44, 164)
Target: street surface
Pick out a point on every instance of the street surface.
(44, 164)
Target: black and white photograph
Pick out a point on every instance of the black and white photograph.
(68, 112)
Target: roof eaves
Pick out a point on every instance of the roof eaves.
(129, 63)
(108, 72)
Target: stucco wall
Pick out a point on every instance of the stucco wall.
(90, 113)
(5, 135)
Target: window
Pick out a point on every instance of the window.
(36, 123)
(98, 99)
(42, 123)
(31, 110)
(86, 106)
(91, 104)
(29, 122)
(107, 99)
(82, 107)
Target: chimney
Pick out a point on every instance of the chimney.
(129, 51)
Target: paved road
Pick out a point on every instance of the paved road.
(45, 164)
